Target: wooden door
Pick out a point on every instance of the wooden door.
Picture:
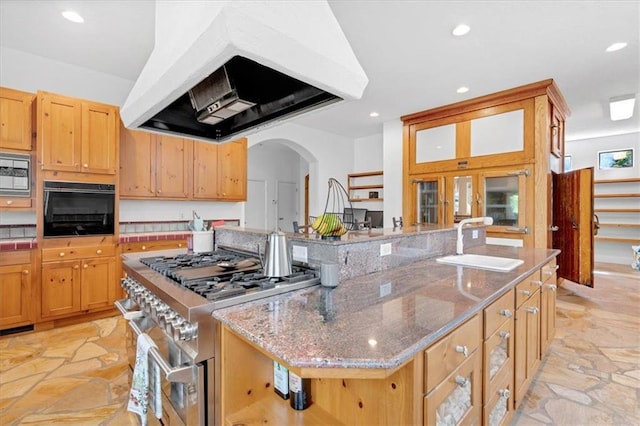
(99, 138)
(137, 160)
(16, 119)
(205, 171)
(60, 132)
(60, 288)
(15, 295)
(573, 217)
(98, 283)
(232, 170)
(173, 163)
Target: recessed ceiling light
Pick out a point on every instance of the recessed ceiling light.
(374, 114)
(461, 30)
(462, 89)
(616, 46)
(621, 107)
(73, 16)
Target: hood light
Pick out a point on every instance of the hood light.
(73, 16)
(461, 30)
(374, 114)
(463, 89)
(621, 107)
(616, 46)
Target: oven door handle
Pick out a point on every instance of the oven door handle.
(184, 374)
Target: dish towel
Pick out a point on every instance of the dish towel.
(145, 373)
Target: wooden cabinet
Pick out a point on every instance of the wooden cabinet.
(165, 167)
(154, 245)
(76, 135)
(16, 119)
(77, 280)
(220, 171)
(16, 275)
(520, 130)
(527, 335)
(548, 305)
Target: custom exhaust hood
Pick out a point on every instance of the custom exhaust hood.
(222, 69)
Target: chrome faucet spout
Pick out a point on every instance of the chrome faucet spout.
(484, 220)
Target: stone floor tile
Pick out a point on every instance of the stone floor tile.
(87, 351)
(76, 368)
(30, 368)
(20, 387)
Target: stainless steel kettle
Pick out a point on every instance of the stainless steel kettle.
(277, 259)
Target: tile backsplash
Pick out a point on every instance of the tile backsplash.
(8, 232)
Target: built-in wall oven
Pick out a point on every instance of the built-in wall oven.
(78, 208)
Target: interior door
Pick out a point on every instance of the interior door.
(287, 210)
(573, 217)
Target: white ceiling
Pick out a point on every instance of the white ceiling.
(405, 47)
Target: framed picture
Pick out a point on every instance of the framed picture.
(567, 163)
(617, 159)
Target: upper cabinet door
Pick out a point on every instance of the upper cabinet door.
(99, 137)
(205, 171)
(60, 132)
(137, 163)
(232, 170)
(173, 166)
(16, 112)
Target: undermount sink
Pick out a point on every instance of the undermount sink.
(492, 263)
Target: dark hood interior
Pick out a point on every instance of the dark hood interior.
(274, 94)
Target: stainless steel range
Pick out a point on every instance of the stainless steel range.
(171, 297)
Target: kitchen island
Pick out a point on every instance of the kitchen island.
(407, 345)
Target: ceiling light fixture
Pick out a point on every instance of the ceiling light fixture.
(462, 89)
(616, 46)
(374, 114)
(621, 107)
(461, 30)
(73, 16)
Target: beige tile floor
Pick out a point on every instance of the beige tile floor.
(77, 375)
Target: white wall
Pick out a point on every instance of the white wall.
(584, 153)
(151, 210)
(393, 169)
(367, 154)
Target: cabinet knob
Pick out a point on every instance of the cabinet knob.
(179, 244)
(526, 292)
(505, 393)
(9, 202)
(533, 310)
(144, 247)
(462, 381)
(99, 251)
(25, 272)
(505, 334)
(61, 254)
(85, 165)
(462, 350)
(159, 191)
(76, 266)
(536, 282)
(506, 312)
(552, 287)
(85, 266)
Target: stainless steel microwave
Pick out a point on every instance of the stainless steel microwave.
(15, 175)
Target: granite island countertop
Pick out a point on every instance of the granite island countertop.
(380, 320)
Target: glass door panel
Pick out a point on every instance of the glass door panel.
(430, 201)
(502, 197)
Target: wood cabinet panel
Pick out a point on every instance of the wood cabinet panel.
(548, 306)
(16, 119)
(99, 136)
(173, 164)
(60, 132)
(60, 288)
(206, 164)
(527, 287)
(498, 409)
(137, 159)
(527, 345)
(97, 283)
(497, 313)
(73, 253)
(154, 245)
(232, 170)
(15, 295)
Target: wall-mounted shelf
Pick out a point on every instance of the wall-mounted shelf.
(360, 185)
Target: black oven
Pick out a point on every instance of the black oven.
(75, 208)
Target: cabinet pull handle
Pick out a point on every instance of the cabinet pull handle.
(533, 310)
(61, 254)
(525, 172)
(505, 393)
(536, 282)
(526, 292)
(506, 312)
(85, 266)
(553, 228)
(478, 199)
(517, 230)
(462, 381)
(462, 350)
(505, 334)
(9, 202)
(25, 272)
(552, 287)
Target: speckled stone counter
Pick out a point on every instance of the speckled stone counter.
(380, 320)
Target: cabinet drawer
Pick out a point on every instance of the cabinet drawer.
(154, 245)
(448, 353)
(548, 272)
(70, 253)
(527, 287)
(498, 408)
(15, 257)
(496, 313)
(458, 398)
(15, 203)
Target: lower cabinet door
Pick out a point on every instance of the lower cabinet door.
(15, 296)
(98, 283)
(60, 288)
(498, 409)
(527, 346)
(457, 400)
(498, 356)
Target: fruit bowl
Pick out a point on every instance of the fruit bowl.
(329, 225)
